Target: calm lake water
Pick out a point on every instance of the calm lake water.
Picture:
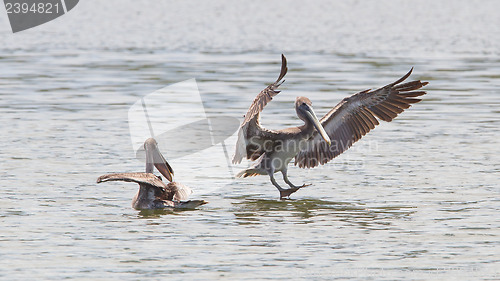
(415, 199)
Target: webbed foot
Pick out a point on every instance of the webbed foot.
(287, 192)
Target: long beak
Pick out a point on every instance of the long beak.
(312, 117)
(154, 157)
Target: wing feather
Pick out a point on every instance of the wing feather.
(355, 116)
(266, 95)
(250, 128)
(140, 178)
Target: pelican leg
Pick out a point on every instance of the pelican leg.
(285, 178)
(273, 181)
(283, 192)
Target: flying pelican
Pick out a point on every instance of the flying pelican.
(316, 142)
(153, 192)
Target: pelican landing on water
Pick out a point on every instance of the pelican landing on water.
(153, 192)
(316, 142)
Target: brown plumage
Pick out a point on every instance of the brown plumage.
(355, 116)
(170, 191)
(153, 192)
(317, 141)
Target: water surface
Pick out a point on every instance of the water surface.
(415, 199)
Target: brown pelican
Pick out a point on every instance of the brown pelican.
(316, 141)
(153, 192)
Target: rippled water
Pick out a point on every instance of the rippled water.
(415, 199)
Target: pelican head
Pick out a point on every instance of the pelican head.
(154, 158)
(303, 107)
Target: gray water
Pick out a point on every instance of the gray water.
(415, 199)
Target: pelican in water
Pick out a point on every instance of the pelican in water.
(316, 142)
(153, 192)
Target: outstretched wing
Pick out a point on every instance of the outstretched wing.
(250, 127)
(140, 178)
(355, 116)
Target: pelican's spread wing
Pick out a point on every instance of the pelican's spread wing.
(355, 116)
(140, 178)
(250, 127)
(265, 95)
